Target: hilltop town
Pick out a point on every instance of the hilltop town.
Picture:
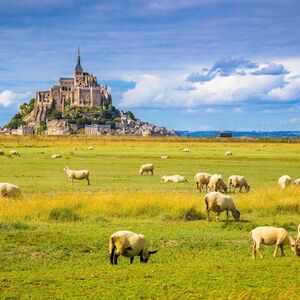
(78, 105)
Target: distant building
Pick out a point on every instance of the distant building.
(25, 130)
(97, 129)
(82, 90)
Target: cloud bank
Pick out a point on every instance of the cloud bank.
(8, 97)
(228, 81)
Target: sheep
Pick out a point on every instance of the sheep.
(298, 242)
(14, 153)
(268, 235)
(9, 190)
(174, 178)
(236, 181)
(218, 202)
(217, 184)
(228, 153)
(164, 156)
(284, 181)
(146, 168)
(74, 148)
(297, 181)
(128, 244)
(1, 152)
(90, 148)
(78, 174)
(201, 180)
(54, 156)
(186, 150)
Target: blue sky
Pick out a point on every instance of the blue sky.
(185, 64)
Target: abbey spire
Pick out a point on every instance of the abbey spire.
(78, 68)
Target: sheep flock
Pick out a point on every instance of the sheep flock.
(217, 199)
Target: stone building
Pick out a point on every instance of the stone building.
(82, 90)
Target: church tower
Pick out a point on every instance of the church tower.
(78, 68)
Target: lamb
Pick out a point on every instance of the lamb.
(9, 190)
(201, 180)
(174, 178)
(236, 181)
(217, 184)
(90, 148)
(128, 244)
(77, 174)
(1, 152)
(228, 153)
(146, 168)
(164, 156)
(186, 150)
(14, 153)
(54, 156)
(284, 181)
(268, 235)
(297, 181)
(218, 202)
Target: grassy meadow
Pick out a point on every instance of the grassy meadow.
(54, 241)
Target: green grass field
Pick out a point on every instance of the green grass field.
(54, 241)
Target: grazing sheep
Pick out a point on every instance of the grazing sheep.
(218, 202)
(165, 156)
(217, 184)
(228, 153)
(90, 148)
(146, 168)
(78, 174)
(297, 181)
(298, 242)
(54, 156)
(74, 148)
(236, 181)
(128, 244)
(186, 150)
(9, 190)
(173, 178)
(268, 235)
(14, 153)
(201, 180)
(1, 152)
(284, 181)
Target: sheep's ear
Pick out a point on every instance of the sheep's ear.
(153, 252)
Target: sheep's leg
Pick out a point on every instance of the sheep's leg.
(131, 259)
(151, 172)
(241, 189)
(88, 181)
(116, 259)
(234, 190)
(281, 250)
(218, 217)
(275, 252)
(208, 217)
(227, 215)
(254, 251)
(112, 254)
(258, 251)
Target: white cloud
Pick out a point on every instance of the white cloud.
(234, 87)
(8, 97)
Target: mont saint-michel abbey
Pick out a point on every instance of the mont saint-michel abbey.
(82, 90)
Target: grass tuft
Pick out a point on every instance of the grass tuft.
(64, 214)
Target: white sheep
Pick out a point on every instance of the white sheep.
(201, 180)
(54, 156)
(164, 156)
(14, 153)
(268, 235)
(146, 168)
(90, 148)
(186, 150)
(1, 152)
(297, 181)
(128, 244)
(217, 184)
(74, 148)
(284, 181)
(9, 190)
(78, 174)
(174, 178)
(228, 153)
(218, 202)
(236, 181)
